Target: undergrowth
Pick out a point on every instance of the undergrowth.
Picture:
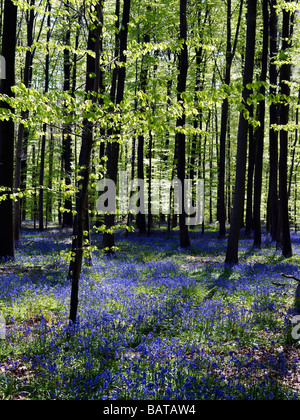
(155, 322)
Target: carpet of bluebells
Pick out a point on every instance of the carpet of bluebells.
(155, 321)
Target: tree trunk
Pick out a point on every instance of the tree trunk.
(239, 193)
(260, 133)
(180, 124)
(251, 163)
(21, 149)
(150, 217)
(50, 179)
(140, 217)
(80, 220)
(66, 155)
(230, 52)
(43, 146)
(7, 242)
(113, 147)
(294, 147)
(285, 73)
(273, 134)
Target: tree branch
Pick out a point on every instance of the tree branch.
(289, 276)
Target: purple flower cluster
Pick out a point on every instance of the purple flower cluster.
(146, 332)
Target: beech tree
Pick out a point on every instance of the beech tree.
(79, 233)
(66, 142)
(113, 147)
(241, 154)
(273, 117)
(180, 123)
(230, 52)
(285, 72)
(260, 131)
(43, 140)
(7, 242)
(169, 95)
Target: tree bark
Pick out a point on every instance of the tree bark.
(67, 218)
(239, 192)
(7, 242)
(180, 124)
(22, 142)
(260, 133)
(285, 73)
(140, 217)
(80, 220)
(43, 145)
(113, 147)
(230, 52)
(251, 163)
(273, 134)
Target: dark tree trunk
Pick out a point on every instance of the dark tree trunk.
(81, 219)
(34, 186)
(67, 152)
(23, 134)
(113, 147)
(294, 147)
(251, 164)
(22, 142)
(180, 124)
(150, 218)
(7, 242)
(116, 52)
(239, 193)
(273, 134)
(230, 52)
(285, 73)
(140, 217)
(50, 179)
(260, 133)
(43, 145)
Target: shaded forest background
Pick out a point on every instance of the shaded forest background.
(161, 89)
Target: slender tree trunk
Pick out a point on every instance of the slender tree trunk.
(150, 217)
(133, 155)
(113, 148)
(7, 242)
(23, 134)
(67, 151)
(43, 145)
(260, 133)
(294, 147)
(230, 52)
(50, 179)
(180, 124)
(251, 163)
(285, 73)
(21, 149)
(80, 221)
(34, 186)
(273, 134)
(228, 175)
(140, 217)
(239, 193)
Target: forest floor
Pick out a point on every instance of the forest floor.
(155, 322)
